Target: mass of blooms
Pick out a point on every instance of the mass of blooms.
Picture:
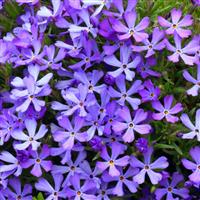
(79, 116)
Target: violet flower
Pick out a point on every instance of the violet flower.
(186, 53)
(131, 30)
(99, 3)
(78, 191)
(72, 168)
(124, 180)
(127, 125)
(80, 100)
(124, 65)
(47, 13)
(151, 46)
(170, 189)
(38, 161)
(112, 161)
(148, 168)
(177, 25)
(90, 80)
(166, 111)
(29, 89)
(53, 193)
(150, 93)
(194, 167)
(70, 132)
(195, 129)
(193, 90)
(17, 191)
(32, 137)
(13, 163)
(126, 95)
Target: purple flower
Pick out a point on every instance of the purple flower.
(70, 132)
(196, 2)
(142, 145)
(124, 94)
(99, 3)
(186, 53)
(131, 30)
(33, 2)
(53, 193)
(8, 123)
(166, 111)
(123, 180)
(78, 191)
(13, 165)
(94, 122)
(131, 4)
(177, 25)
(112, 161)
(109, 80)
(32, 137)
(89, 55)
(144, 69)
(195, 129)
(193, 90)
(54, 60)
(150, 93)
(90, 176)
(29, 89)
(72, 168)
(81, 100)
(47, 13)
(90, 80)
(124, 65)
(194, 167)
(147, 167)
(77, 30)
(151, 46)
(17, 192)
(129, 125)
(38, 161)
(170, 189)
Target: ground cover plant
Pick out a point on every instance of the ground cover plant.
(99, 99)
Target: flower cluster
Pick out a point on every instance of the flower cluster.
(78, 120)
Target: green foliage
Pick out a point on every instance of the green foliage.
(39, 197)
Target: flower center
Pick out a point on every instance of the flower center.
(79, 193)
(55, 194)
(124, 95)
(152, 94)
(169, 189)
(72, 168)
(166, 112)
(103, 192)
(131, 32)
(150, 46)
(30, 139)
(198, 167)
(146, 167)
(96, 123)
(72, 133)
(31, 97)
(196, 130)
(90, 87)
(178, 51)
(113, 139)
(81, 104)
(19, 197)
(38, 160)
(121, 178)
(131, 125)
(111, 162)
(110, 120)
(124, 66)
(87, 59)
(101, 110)
(174, 26)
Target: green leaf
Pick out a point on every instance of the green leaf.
(40, 196)
(164, 146)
